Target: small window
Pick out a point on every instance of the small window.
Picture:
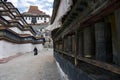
(44, 18)
(34, 21)
(26, 18)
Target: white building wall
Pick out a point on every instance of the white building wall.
(9, 49)
(1, 49)
(21, 22)
(38, 46)
(40, 20)
(25, 47)
(7, 17)
(17, 30)
(28, 19)
(27, 32)
(47, 19)
(62, 10)
(25, 18)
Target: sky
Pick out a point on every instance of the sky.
(43, 5)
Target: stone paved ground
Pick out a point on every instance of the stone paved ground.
(30, 67)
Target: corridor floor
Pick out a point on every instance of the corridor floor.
(30, 67)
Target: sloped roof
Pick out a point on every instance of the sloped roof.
(33, 10)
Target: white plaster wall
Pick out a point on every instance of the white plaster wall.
(14, 13)
(8, 49)
(21, 22)
(7, 17)
(27, 32)
(62, 74)
(40, 21)
(15, 29)
(62, 10)
(25, 47)
(38, 46)
(47, 19)
(1, 49)
(1, 8)
(28, 20)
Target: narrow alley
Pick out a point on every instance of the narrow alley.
(30, 67)
(74, 39)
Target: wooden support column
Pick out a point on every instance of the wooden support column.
(103, 42)
(73, 44)
(117, 37)
(70, 44)
(89, 48)
(65, 44)
(80, 44)
(76, 48)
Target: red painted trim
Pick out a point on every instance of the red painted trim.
(7, 59)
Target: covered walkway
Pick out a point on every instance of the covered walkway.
(30, 67)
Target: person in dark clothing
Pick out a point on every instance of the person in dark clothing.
(35, 51)
(43, 41)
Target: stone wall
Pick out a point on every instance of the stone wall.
(69, 69)
(83, 71)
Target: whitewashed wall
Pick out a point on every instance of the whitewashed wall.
(38, 46)
(27, 32)
(9, 49)
(7, 17)
(17, 30)
(43, 19)
(38, 20)
(47, 19)
(62, 10)
(28, 20)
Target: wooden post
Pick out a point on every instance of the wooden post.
(76, 48)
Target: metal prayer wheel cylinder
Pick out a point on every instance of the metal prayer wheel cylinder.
(103, 41)
(89, 42)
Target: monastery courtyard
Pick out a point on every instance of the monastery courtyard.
(30, 67)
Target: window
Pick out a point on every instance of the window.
(44, 18)
(33, 20)
(26, 18)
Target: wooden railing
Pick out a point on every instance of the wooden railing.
(110, 67)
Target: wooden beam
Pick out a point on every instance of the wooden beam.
(112, 68)
(103, 65)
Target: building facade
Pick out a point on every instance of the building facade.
(86, 38)
(16, 36)
(37, 19)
